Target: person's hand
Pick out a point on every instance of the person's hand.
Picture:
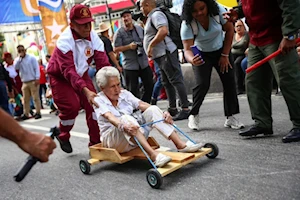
(197, 60)
(287, 45)
(120, 69)
(149, 51)
(90, 95)
(231, 15)
(131, 129)
(133, 46)
(11, 95)
(298, 51)
(224, 64)
(168, 118)
(37, 82)
(38, 145)
(246, 51)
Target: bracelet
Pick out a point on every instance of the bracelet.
(225, 55)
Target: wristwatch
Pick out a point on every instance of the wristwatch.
(291, 37)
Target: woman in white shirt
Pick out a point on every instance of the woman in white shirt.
(118, 126)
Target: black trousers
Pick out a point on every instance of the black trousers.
(202, 79)
(239, 74)
(132, 83)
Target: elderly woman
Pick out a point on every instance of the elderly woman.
(203, 26)
(118, 126)
(239, 46)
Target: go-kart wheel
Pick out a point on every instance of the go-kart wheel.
(85, 166)
(154, 178)
(215, 150)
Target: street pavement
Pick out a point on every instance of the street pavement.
(256, 168)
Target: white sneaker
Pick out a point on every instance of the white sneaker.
(191, 147)
(233, 123)
(194, 122)
(161, 160)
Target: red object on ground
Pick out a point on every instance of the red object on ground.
(266, 59)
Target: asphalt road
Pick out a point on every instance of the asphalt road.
(257, 168)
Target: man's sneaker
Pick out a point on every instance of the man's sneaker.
(65, 145)
(37, 116)
(232, 122)
(183, 114)
(173, 111)
(191, 147)
(194, 122)
(161, 160)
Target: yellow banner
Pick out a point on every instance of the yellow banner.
(54, 20)
(228, 3)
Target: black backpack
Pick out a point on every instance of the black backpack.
(174, 22)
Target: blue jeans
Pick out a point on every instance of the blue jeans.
(158, 85)
(4, 97)
(244, 64)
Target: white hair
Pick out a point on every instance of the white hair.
(104, 73)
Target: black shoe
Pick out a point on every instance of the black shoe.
(293, 136)
(256, 130)
(24, 117)
(173, 111)
(37, 116)
(179, 103)
(32, 113)
(65, 145)
(153, 101)
(183, 114)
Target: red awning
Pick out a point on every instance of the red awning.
(123, 4)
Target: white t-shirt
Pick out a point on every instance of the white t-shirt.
(127, 103)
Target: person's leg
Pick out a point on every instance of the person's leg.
(259, 88)
(91, 117)
(152, 114)
(158, 85)
(132, 82)
(239, 74)
(287, 68)
(147, 79)
(170, 90)
(34, 90)
(4, 97)
(174, 74)
(244, 64)
(67, 102)
(41, 88)
(26, 98)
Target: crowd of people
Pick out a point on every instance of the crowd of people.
(223, 43)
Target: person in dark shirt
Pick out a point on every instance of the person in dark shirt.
(272, 25)
(104, 36)
(4, 81)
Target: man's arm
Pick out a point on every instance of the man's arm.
(7, 78)
(118, 44)
(290, 15)
(17, 63)
(37, 70)
(37, 145)
(162, 32)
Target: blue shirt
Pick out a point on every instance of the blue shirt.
(210, 40)
(28, 67)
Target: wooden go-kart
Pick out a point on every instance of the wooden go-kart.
(154, 176)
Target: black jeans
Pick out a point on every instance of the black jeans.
(172, 79)
(132, 82)
(239, 74)
(43, 89)
(202, 78)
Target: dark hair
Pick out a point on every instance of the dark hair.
(48, 56)
(188, 7)
(20, 46)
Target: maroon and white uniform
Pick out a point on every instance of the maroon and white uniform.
(68, 75)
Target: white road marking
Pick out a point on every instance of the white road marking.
(42, 128)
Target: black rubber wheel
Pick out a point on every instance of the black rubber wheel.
(85, 166)
(154, 178)
(215, 150)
